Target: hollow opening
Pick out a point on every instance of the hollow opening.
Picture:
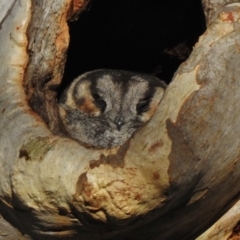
(147, 36)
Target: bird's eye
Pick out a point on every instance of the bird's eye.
(143, 105)
(99, 101)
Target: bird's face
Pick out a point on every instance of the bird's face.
(109, 106)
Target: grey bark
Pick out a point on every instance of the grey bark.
(212, 8)
(171, 180)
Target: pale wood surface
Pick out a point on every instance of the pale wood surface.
(212, 8)
(8, 232)
(223, 228)
(174, 178)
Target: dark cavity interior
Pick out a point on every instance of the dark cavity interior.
(149, 36)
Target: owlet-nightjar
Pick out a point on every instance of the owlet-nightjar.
(103, 108)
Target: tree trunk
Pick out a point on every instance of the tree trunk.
(173, 179)
(212, 8)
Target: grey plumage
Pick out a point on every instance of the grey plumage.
(103, 108)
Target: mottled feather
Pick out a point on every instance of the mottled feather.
(103, 108)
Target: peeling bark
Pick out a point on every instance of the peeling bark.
(226, 228)
(212, 8)
(171, 178)
(47, 47)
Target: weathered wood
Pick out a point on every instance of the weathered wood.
(212, 8)
(47, 49)
(8, 232)
(17, 42)
(170, 181)
(224, 228)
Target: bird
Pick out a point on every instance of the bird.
(104, 107)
